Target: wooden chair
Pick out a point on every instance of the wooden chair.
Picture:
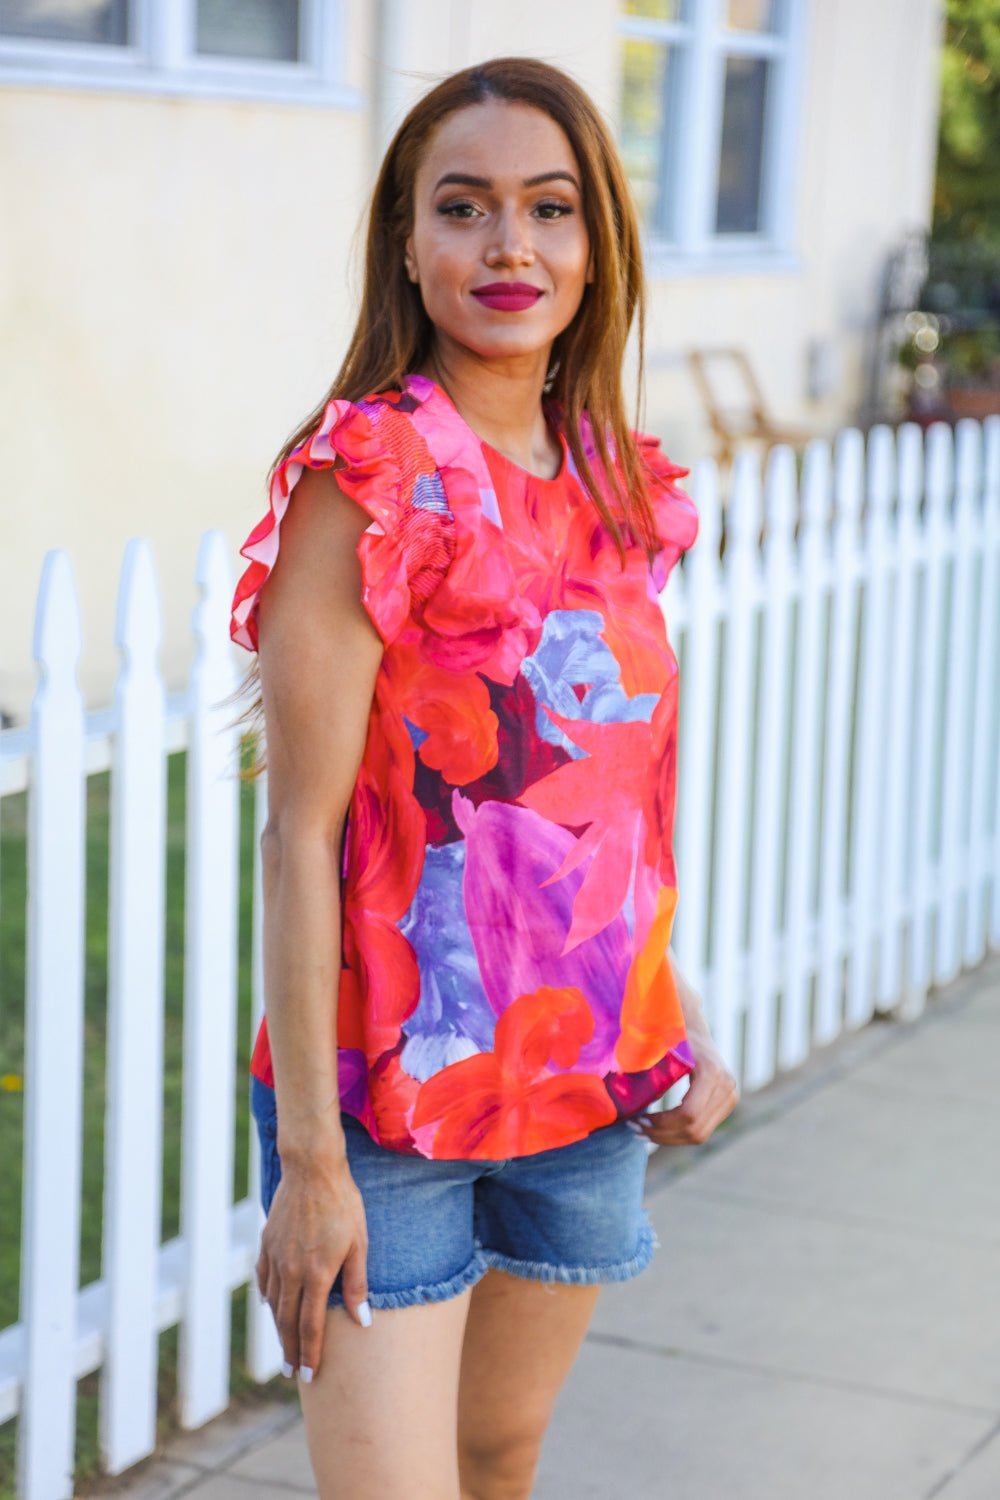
(737, 415)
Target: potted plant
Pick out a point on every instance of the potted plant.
(971, 360)
(954, 371)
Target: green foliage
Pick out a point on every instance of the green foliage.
(967, 190)
(973, 355)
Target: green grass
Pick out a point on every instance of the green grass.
(13, 892)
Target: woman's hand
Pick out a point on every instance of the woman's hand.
(712, 1093)
(315, 1226)
(712, 1096)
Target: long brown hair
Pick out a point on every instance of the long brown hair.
(393, 335)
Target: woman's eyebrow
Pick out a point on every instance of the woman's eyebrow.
(464, 179)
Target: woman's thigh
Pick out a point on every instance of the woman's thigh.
(380, 1413)
(553, 1227)
(521, 1339)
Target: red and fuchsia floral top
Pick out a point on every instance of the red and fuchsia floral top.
(508, 885)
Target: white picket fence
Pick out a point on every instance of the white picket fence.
(837, 844)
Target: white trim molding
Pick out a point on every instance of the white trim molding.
(161, 59)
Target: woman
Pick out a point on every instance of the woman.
(470, 704)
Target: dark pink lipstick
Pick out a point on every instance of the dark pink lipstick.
(507, 296)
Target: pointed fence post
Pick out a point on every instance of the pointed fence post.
(799, 945)
(50, 1243)
(740, 567)
(956, 879)
(869, 734)
(899, 708)
(984, 854)
(778, 583)
(927, 713)
(696, 731)
(209, 1000)
(832, 937)
(134, 1128)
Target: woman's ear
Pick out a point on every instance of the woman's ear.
(409, 259)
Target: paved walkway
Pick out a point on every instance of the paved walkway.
(822, 1321)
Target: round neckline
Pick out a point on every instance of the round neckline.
(488, 449)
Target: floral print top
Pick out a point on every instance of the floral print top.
(508, 882)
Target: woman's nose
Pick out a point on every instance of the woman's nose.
(512, 241)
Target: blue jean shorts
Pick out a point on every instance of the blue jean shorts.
(573, 1213)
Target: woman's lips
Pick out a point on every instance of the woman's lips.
(507, 296)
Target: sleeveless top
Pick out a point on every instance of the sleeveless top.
(508, 882)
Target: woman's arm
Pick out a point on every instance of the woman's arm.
(712, 1094)
(319, 656)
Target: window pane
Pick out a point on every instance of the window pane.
(750, 15)
(648, 109)
(738, 208)
(656, 10)
(104, 21)
(267, 29)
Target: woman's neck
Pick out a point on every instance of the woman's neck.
(502, 402)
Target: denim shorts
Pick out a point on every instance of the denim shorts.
(573, 1213)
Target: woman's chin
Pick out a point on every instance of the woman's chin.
(513, 344)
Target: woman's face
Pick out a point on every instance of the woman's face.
(499, 246)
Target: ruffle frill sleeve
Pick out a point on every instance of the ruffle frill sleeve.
(673, 509)
(404, 553)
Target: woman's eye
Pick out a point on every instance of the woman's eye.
(463, 209)
(458, 210)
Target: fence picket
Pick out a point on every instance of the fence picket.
(50, 1244)
(209, 1000)
(133, 1135)
(955, 883)
(986, 753)
(794, 1020)
(866, 828)
(735, 736)
(899, 715)
(930, 670)
(695, 728)
(840, 652)
(778, 581)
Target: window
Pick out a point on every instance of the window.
(249, 28)
(103, 21)
(707, 123)
(276, 49)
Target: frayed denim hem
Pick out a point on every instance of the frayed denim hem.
(435, 1291)
(620, 1270)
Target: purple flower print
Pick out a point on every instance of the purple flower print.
(571, 653)
(519, 926)
(453, 1019)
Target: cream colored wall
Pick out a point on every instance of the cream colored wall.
(425, 39)
(173, 299)
(174, 289)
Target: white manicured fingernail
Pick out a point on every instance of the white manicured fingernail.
(306, 1373)
(286, 1369)
(365, 1313)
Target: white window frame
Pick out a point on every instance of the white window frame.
(162, 60)
(707, 42)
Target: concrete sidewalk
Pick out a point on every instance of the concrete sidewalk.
(822, 1320)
